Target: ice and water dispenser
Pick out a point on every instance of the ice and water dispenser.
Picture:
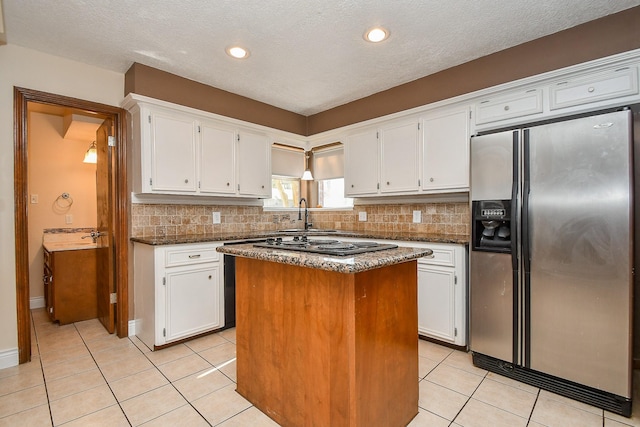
(492, 225)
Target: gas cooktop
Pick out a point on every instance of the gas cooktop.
(324, 246)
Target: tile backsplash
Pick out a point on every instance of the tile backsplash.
(150, 220)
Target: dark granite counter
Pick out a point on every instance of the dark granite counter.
(340, 264)
(224, 237)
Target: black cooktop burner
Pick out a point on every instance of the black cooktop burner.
(326, 247)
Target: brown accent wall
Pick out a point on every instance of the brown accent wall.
(602, 37)
(158, 84)
(606, 36)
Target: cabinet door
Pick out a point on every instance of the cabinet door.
(399, 158)
(361, 163)
(610, 84)
(254, 164)
(445, 154)
(217, 159)
(173, 153)
(436, 302)
(192, 301)
(509, 106)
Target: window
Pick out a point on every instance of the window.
(285, 192)
(331, 194)
(327, 189)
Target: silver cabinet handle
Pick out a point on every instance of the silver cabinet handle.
(186, 181)
(506, 108)
(194, 256)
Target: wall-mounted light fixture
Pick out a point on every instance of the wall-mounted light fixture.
(91, 156)
(306, 176)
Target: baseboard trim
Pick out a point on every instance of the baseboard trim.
(132, 328)
(36, 302)
(9, 358)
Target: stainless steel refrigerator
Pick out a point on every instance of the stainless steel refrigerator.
(551, 265)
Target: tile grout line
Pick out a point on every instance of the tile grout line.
(175, 388)
(102, 374)
(44, 378)
(469, 398)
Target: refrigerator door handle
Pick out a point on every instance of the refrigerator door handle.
(514, 203)
(526, 250)
(526, 188)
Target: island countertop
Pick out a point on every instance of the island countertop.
(341, 264)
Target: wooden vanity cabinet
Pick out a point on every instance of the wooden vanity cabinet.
(70, 285)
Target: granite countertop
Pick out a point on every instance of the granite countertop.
(224, 237)
(341, 264)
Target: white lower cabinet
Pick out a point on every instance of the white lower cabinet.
(442, 294)
(179, 291)
(442, 290)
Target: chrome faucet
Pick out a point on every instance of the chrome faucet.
(307, 224)
(94, 236)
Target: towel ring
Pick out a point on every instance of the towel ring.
(68, 200)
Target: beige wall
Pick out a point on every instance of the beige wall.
(34, 70)
(56, 167)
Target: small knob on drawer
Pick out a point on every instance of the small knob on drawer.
(506, 108)
(591, 89)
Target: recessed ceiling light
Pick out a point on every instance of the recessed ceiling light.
(237, 52)
(376, 35)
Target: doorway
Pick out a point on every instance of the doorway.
(118, 208)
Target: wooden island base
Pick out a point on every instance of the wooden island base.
(322, 348)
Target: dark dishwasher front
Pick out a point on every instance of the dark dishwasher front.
(230, 284)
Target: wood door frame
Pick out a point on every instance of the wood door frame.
(21, 98)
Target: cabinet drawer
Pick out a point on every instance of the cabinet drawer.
(509, 106)
(441, 256)
(596, 87)
(186, 256)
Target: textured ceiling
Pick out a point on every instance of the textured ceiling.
(306, 55)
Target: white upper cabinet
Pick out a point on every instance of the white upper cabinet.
(445, 151)
(254, 166)
(399, 157)
(609, 84)
(173, 152)
(217, 159)
(508, 106)
(180, 152)
(567, 93)
(382, 160)
(361, 163)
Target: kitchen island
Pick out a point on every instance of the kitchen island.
(325, 340)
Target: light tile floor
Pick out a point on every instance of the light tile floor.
(81, 376)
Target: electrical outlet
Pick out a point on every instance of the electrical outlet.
(362, 216)
(216, 217)
(68, 218)
(417, 217)
(34, 199)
